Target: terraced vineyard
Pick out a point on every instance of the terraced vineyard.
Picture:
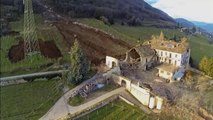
(28, 101)
(117, 110)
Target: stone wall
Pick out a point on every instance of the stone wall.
(142, 94)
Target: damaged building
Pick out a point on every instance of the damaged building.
(169, 57)
(141, 56)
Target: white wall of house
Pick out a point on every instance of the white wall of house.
(141, 94)
(111, 62)
(172, 57)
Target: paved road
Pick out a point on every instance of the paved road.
(61, 108)
(38, 74)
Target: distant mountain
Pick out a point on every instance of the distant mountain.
(131, 12)
(185, 23)
(206, 26)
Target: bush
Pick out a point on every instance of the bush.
(206, 65)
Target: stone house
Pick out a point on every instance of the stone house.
(142, 56)
(174, 55)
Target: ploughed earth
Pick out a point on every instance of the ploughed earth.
(96, 44)
(47, 48)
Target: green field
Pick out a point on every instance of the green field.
(45, 33)
(117, 110)
(131, 34)
(28, 101)
(8, 68)
(18, 26)
(199, 48)
(199, 44)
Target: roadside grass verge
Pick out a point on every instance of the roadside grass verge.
(76, 100)
(29, 100)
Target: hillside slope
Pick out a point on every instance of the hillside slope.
(206, 26)
(96, 44)
(131, 12)
(185, 23)
(198, 43)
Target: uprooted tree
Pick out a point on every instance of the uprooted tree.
(79, 64)
(206, 65)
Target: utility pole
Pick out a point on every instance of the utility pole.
(31, 45)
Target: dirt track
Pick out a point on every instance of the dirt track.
(96, 44)
(48, 49)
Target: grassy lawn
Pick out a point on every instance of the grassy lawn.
(199, 44)
(117, 110)
(28, 101)
(77, 100)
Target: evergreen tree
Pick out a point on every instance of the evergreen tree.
(79, 64)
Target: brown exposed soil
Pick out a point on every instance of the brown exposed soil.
(47, 48)
(95, 43)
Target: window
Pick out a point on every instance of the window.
(161, 53)
(168, 73)
(176, 55)
(170, 61)
(161, 71)
(165, 53)
(170, 55)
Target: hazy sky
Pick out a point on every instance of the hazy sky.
(195, 10)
